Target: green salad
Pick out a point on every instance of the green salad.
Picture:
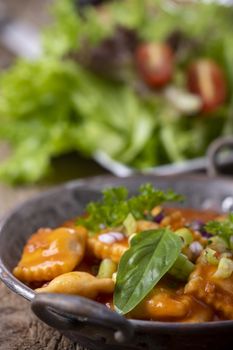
(146, 82)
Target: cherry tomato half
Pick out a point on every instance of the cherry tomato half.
(205, 78)
(155, 63)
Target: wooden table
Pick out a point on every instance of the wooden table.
(19, 328)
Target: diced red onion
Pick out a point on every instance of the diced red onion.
(198, 225)
(111, 237)
(106, 238)
(196, 248)
(117, 235)
(159, 217)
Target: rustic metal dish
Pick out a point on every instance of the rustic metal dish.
(90, 323)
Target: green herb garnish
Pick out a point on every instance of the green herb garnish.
(223, 229)
(115, 206)
(151, 255)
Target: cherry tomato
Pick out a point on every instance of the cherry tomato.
(205, 78)
(155, 63)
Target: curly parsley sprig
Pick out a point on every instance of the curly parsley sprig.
(223, 228)
(115, 205)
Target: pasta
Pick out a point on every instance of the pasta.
(216, 292)
(50, 253)
(80, 283)
(164, 304)
(103, 250)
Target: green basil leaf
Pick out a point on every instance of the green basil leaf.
(148, 235)
(151, 255)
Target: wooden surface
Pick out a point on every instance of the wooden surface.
(19, 328)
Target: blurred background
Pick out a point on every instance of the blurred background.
(118, 87)
(24, 13)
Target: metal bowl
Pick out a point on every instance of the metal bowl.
(88, 322)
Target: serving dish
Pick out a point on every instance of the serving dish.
(87, 322)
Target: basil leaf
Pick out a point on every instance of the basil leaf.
(151, 255)
(148, 235)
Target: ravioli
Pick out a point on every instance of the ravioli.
(50, 253)
(215, 292)
(79, 283)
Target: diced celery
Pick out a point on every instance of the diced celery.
(186, 235)
(225, 268)
(210, 256)
(218, 244)
(181, 268)
(130, 224)
(107, 268)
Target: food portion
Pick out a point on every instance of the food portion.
(140, 256)
(79, 283)
(49, 253)
(146, 83)
(214, 290)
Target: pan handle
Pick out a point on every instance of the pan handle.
(66, 312)
(212, 154)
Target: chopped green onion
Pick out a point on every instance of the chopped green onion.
(218, 244)
(181, 268)
(225, 268)
(107, 268)
(185, 235)
(130, 224)
(210, 256)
